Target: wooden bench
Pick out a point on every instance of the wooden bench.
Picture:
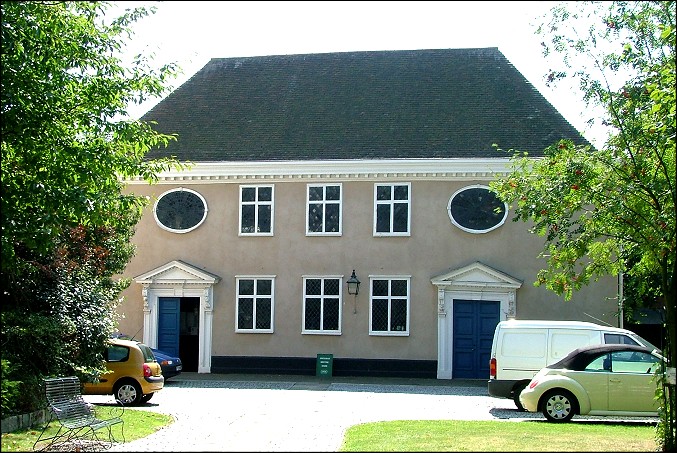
(78, 426)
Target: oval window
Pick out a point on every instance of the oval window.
(180, 210)
(476, 209)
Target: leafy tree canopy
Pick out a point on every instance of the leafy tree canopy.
(609, 210)
(63, 152)
(66, 147)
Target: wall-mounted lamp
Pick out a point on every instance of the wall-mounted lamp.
(354, 289)
(353, 284)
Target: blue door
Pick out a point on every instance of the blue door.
(474, 325)
(168, 325)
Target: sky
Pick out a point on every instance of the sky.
(192, 33)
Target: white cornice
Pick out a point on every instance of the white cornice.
(344, 170)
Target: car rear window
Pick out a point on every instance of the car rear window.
(148, 355)
(115, 353)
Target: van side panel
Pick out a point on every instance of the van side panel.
(563, 341)
(522, 352)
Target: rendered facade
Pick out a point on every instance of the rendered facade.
(307, 167)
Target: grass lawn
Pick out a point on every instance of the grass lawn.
(462, 435)
(422, 435)
(137, 424)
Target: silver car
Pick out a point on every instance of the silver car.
(608, 379)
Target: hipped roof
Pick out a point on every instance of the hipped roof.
(440, 103)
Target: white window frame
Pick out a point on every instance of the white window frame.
(324, 202)
(391, 202)
(322, 297)
(258, 203)
(238, 296)
(389, 297)
(174, 230)
(470, 230)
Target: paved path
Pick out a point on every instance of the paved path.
(273, 413)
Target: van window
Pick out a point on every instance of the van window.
(617, 338)
(523, 344)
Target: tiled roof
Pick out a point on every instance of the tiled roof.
(447, 103)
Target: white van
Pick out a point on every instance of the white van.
(521, 348)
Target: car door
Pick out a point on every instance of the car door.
(631, 383)
(594, 379)
(117, 361)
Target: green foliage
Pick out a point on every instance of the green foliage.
(66, 223)
(665, 431)
(603, 211)
(10, 390)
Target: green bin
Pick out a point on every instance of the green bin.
(324, 365)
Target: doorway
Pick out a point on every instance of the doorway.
(179, 329)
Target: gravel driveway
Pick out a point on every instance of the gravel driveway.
(216, 414)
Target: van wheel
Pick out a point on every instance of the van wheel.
(558, 405)
(516, 396)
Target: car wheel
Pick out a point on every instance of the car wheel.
(129, 392)
(558, 405)
(516, 396)
(145, 398)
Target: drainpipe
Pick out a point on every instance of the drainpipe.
(620, 299)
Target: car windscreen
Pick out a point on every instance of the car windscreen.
(644, 342)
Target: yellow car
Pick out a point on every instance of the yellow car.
(133, 374)
(612, 379)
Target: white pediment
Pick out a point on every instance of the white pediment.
(177, 272)
(476, 275)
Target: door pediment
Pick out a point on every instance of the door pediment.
(476, 276)
(177, 273)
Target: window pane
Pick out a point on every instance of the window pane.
(383, 193)
(246, 287)
(331, 314)
(333, 192)
(401, 193)
(248, 194)
(477, 209)
(379, 315)
(264, 219)
(383, 218)
(398, 287)
(248, 218)
(331, 287)
(398, 315)
(263, 313)
(263, 287)
(401, 217)
(312, 321)
(180, 210)
(245, 313)
(380, 287)
(332, 218)
(315, 194)
(315, 218)
(313, 287)
(265, 193)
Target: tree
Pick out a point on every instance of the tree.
(610, 210)
(66, 146)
